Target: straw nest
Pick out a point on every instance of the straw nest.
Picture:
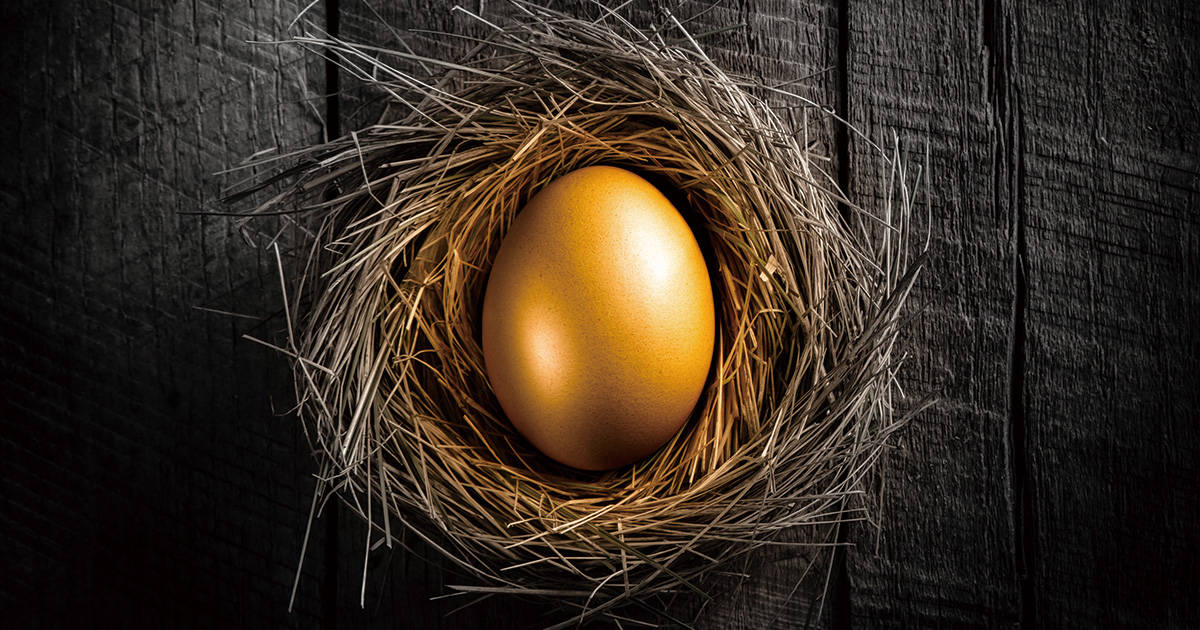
(402, 218)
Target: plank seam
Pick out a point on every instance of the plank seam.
(841, 608)
(333, 106)
(1025, 530)
(1000, 35)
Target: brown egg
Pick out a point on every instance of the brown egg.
(598, 319)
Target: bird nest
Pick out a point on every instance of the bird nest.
(402, 219)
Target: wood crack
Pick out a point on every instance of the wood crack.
(841, 605)
(999, 35)
(1025, 531)
(333, 129)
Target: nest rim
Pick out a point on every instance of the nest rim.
(808, 285)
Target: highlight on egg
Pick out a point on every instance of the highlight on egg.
(598, 319)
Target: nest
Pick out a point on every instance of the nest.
(402, 219)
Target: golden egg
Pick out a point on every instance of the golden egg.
(598, 319)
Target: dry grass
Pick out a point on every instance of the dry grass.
(403, 218)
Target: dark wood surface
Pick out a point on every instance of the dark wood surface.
(1110, 174)
(941, 85)
(145, 479)
(149, 478)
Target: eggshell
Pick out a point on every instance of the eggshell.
(598, 319)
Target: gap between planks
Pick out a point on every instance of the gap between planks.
(1000, 39)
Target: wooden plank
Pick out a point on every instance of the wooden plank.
(145, 479)
(774, 41)
(1111, 174)
(934, 73)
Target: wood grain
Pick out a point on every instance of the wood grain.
(932, 73)
(1111, 171)
(145, 479)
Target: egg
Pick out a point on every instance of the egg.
(598, 319)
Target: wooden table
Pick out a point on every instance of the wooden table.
(149, 475)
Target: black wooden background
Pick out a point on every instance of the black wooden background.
(149, 478)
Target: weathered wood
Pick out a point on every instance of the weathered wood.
(1110, 163)
(145, 479)
(777, 42)
(933, 72)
